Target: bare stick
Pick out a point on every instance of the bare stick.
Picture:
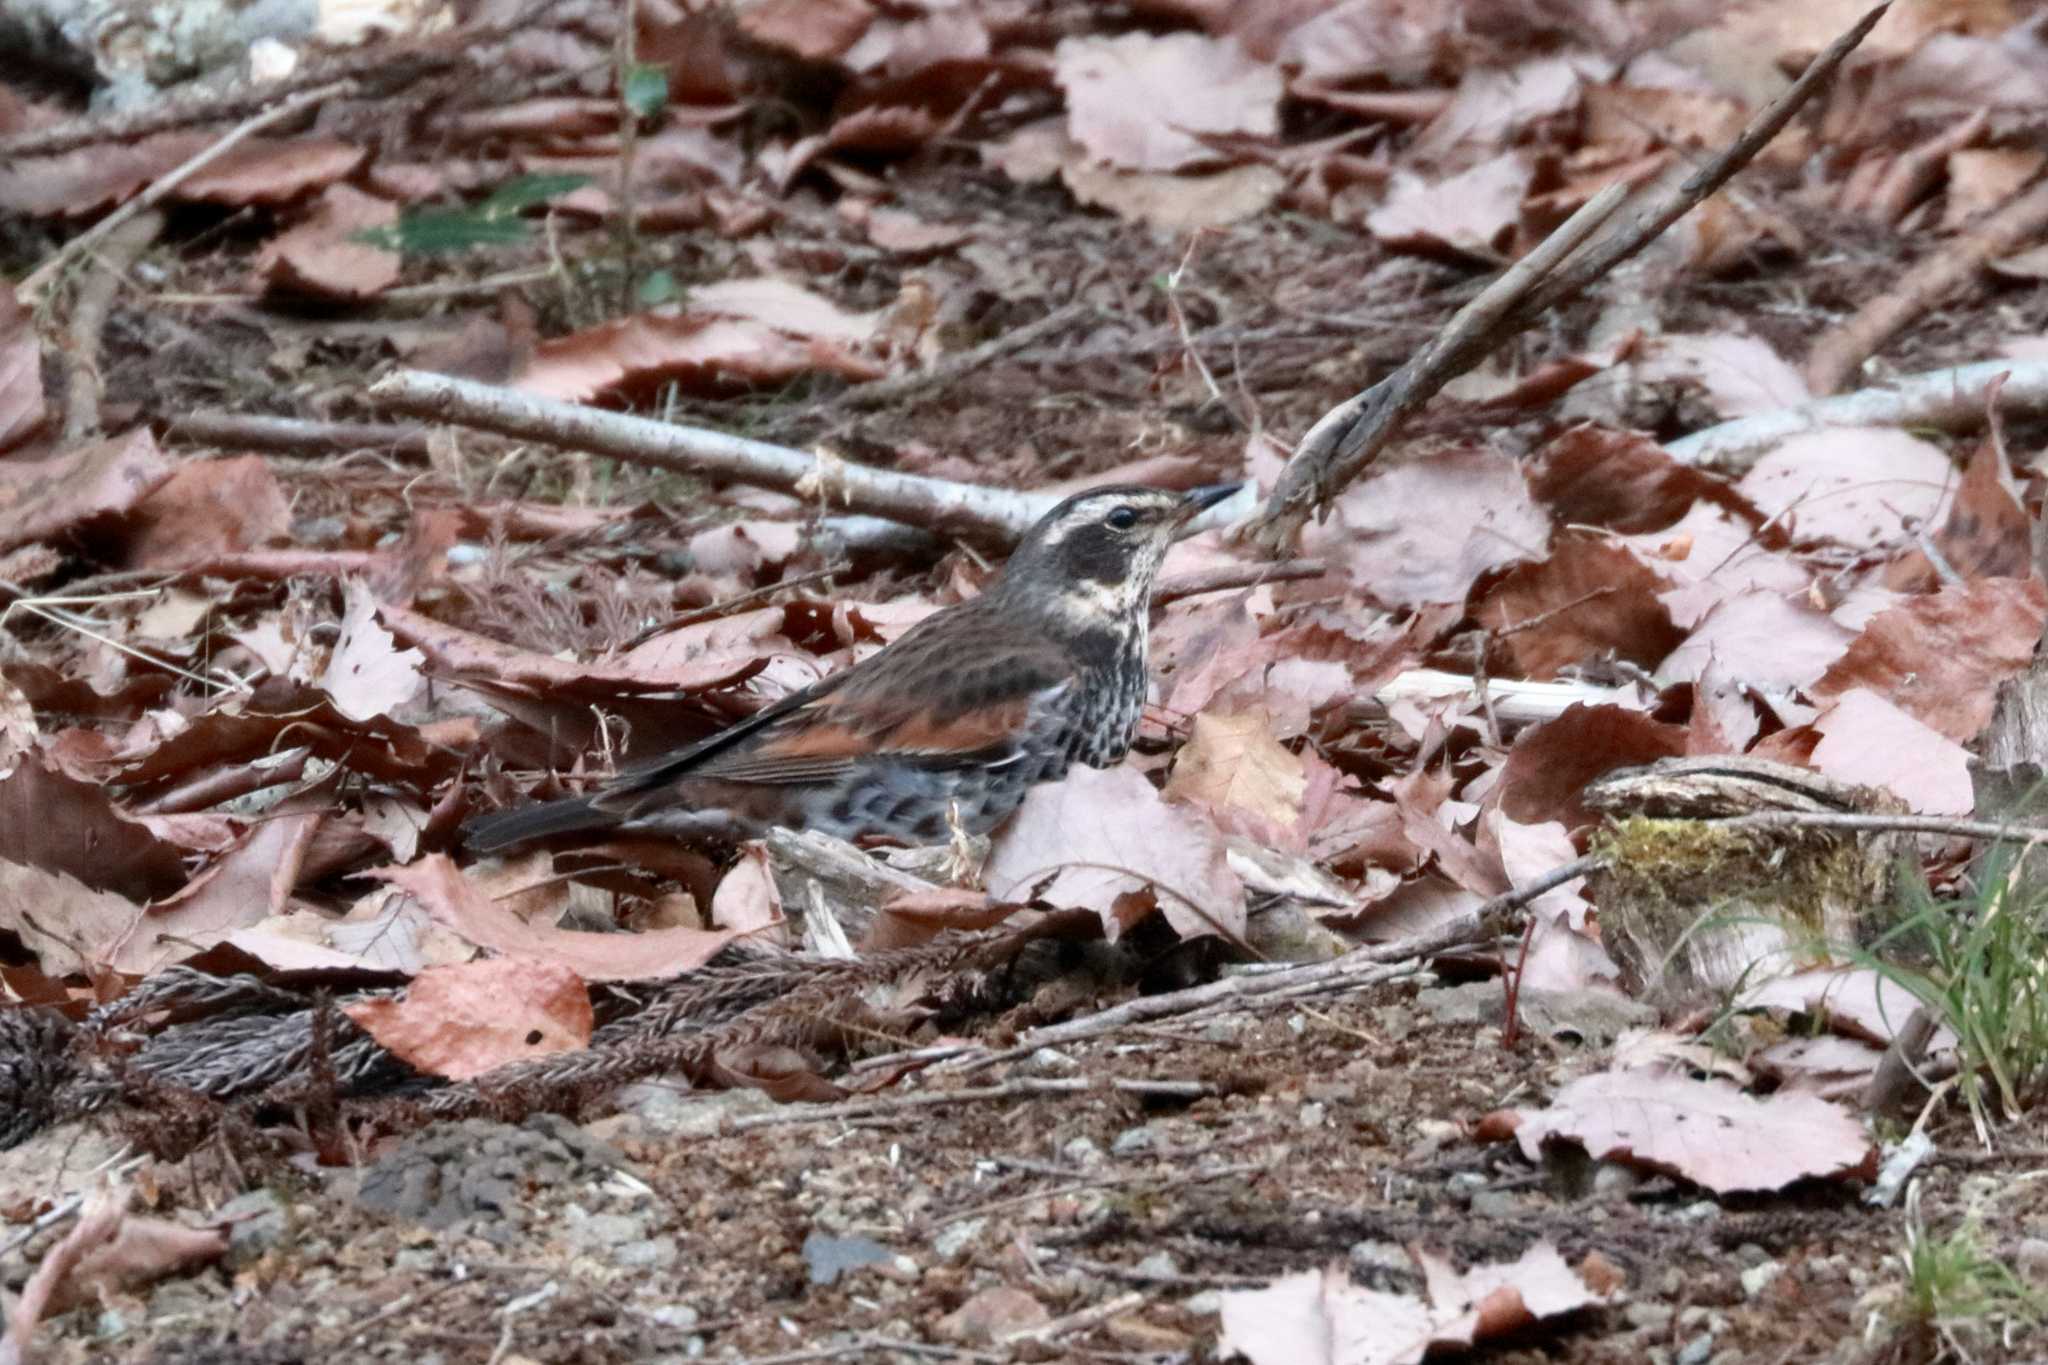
(1898, 1073)
(293, 435)
(993, 516)
(1340, 446)
(1224, 577)
(32, 288)
(1905, 824)
(1843, 349)
(1949, 400)
(81, 355)
(1358, 968)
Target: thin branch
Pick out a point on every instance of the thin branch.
(1340, 446)
(1950, 400)
(80, 357)
(988, 515)
(1356, 969)
(1901, 824)
(1224, 577)
(294, 435)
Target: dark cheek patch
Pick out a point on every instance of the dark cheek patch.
(1091, 552)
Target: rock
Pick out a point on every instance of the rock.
(1696, 1352)
(256, 1222)
(665, 1111)
(1593, 1017)
(1132, 1141)
(1758, 1278)
(2031, 1258)
(1496, 1204)
(1395, 1023)
(992, 1315)
(1312, 1115)
(827, 1257)
(1654, 1318)
(480, 1169)
(955, 1239)
(604, 1233)
(1081, 1151)
(1160, 1264)
(1465, 1182)
(651, 1253)
(1050, 1060)
(1208, 1303)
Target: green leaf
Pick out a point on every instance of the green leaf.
(510, 198)
(494, 222)
(645, 89)
(659, 287)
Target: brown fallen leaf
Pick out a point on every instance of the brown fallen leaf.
(207, 508)
(1706, 1131)
(106, 1251)
(1854, 486)
(245, 885)
(1424, 532)
(1322, 1318)
(736, 334)
(67, 925)
(1867, 741)
(324, 256)
(21, 372)
(1551, 763)
(1103, 833)
(40, 499)
(459, 904)
(1768, 641)
(1233, 767)
(1143, 101)
(1590, 599)
(367, 674)
(1940, 657)
(1473, 213)
(61, 824)
(466, 1019)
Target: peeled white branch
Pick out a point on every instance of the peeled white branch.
(1948, 400)
(993, 516)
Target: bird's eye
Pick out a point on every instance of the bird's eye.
(1122, 519)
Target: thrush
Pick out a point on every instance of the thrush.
(953, 722)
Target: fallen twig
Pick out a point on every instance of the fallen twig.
(1953, 827)
(80, 357)
(1841, 351)
(1358, 968)
(1947, 400)
(1340, 446)
(32, 288)
(294, 435)
(1899, 1070)
(992, 516)
(1224, 577)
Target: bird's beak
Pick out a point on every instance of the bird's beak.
(1193, 503)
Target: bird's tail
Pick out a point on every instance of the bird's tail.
(487, 833)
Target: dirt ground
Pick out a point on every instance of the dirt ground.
(1107, 1223)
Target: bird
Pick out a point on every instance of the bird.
(948, 726)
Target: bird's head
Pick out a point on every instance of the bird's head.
(1097, 553)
